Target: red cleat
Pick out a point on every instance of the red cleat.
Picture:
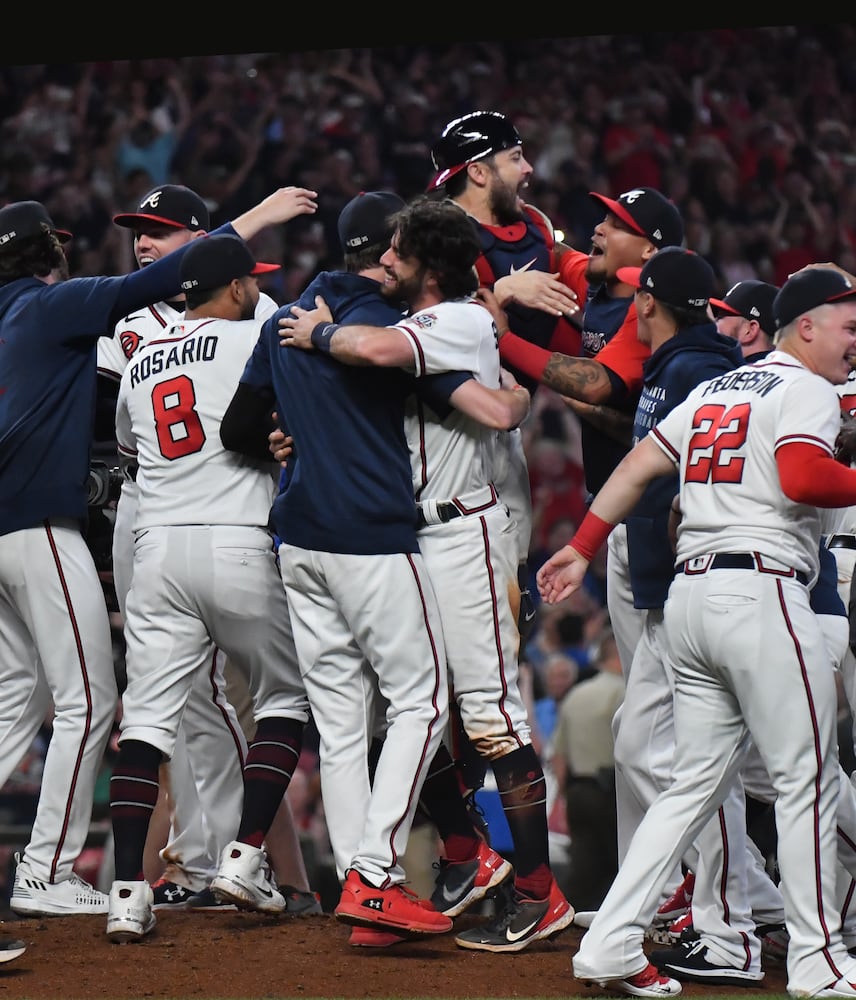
(392, 908)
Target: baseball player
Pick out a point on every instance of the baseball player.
(675, 287)
(607, 379)
(204, 577)
(348, 554)
(755, 454)
(605, 384)
(168, 216)
(365, 229)
(468, 540)
(55, 643)
(480, 166)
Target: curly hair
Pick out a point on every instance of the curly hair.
(442, 237)
(31, 256)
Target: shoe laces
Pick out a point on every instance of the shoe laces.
(76, 880)
(502, 921)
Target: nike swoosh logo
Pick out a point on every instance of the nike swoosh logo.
(517, 935)
(517, 270)
(529, 616)
(265, 892)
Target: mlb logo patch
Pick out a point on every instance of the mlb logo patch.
(425, 320)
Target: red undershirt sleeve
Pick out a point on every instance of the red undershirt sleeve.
(520, 354)
(810, 475)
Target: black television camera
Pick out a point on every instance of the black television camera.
(103, 485)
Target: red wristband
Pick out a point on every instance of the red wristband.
(526, 357)
(591, 534)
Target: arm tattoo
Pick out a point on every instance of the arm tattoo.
(579, 378)
(615, 423)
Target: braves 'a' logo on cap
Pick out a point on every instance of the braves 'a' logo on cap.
(152, 200)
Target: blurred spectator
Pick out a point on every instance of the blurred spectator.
(558, 674)
(584, 765)
(147, 136)
(635, 147)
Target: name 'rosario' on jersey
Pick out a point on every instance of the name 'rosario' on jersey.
(173, 355)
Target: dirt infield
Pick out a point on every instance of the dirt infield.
(247, 955)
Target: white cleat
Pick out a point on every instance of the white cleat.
(647, 983)
(244, 879)
(11, 949)
(34, 897)
(130, 916)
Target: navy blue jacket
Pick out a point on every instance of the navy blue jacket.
(694, 355)
(48, 381)
(350, 489)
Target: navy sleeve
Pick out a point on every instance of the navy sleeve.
(435, 390)
(248, 421)
(158, 281)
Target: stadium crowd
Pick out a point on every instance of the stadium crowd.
(748, 131)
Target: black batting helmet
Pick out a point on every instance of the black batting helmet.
(469, 138)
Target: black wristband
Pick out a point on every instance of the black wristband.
(322, 335)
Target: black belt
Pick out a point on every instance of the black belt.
(446, 511)
(841, 542)
(744, 560)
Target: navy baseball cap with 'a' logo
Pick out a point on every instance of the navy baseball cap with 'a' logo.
(675, 276)
(649, 212)
(213, 261)
(169, 205)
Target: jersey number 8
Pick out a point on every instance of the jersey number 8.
(178, 426)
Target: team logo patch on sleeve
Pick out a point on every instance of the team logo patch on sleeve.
(130, 341)
(425, 321)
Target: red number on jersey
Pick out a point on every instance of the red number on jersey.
(718, 430)
(177, 423)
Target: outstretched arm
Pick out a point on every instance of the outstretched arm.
(285, 204)
(577, 378)
(563, 572)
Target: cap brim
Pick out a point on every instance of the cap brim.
(265, 268)
(618, 209)
(725, 307)
(440, 178)
(129, 220)
(844, 295)
(629, 275)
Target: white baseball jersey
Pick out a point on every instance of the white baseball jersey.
(458, 455)
(172, 398)
(472, 560)
(720, 436)
(153, 323)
